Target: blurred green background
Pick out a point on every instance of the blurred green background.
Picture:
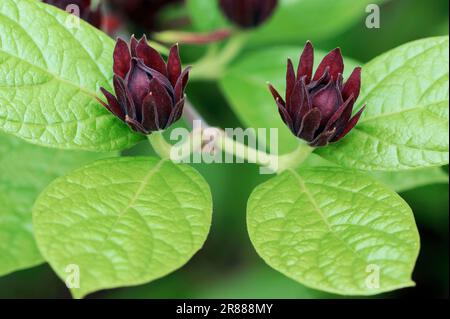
(228, 266)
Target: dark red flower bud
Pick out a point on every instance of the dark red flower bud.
(149, 93)
(94, 17)
(145, 14)
(318, 109)
(248, 13)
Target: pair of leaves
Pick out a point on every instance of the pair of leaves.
(405, 125)
(50, 73)
(127, 221)
(293, 20)
(25, 170)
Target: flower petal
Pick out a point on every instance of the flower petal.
(138, 85)
(160, 77)
(306, 63)
(133, 45)
(323, 139)
(310, 125)
(296, 98)
(177, 112)
(351, 124)
(113, 104)
(150, 56)
(317, 85)
(305, 103)
(276, 95)
(157, 107)
(290, 80)
(285, 116)
(123, 96)
(353, 85)
(181, 84)
(136, 126)
(121, 58)
(328, 99)
(334, 61)
(341, 114)
(174, 65)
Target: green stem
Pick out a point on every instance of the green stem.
(242, 151)
(294, 159)
(159, 144)
(272, 162)
(166, 150)
(213, 64)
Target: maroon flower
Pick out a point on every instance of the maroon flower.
(149, 92)
(94, 17)
(318, 109)
(248, 13)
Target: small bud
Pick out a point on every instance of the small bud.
(318, 108)
(149, 93)
(146, 14)
(248, 13)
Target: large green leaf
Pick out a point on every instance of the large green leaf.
(50, 74)
(294, 20)
(405, 125)
(333, 230)
(245, 86)
(25, 170)
(123, 221)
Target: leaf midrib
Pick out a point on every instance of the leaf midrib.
(133, 200)
(321, 214)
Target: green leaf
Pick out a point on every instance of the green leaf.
(333, 230)
(405, 125)
(25, 170)
(293, 20)
(122, 222)
(50, 75)
(245, 86)
(407, 180)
